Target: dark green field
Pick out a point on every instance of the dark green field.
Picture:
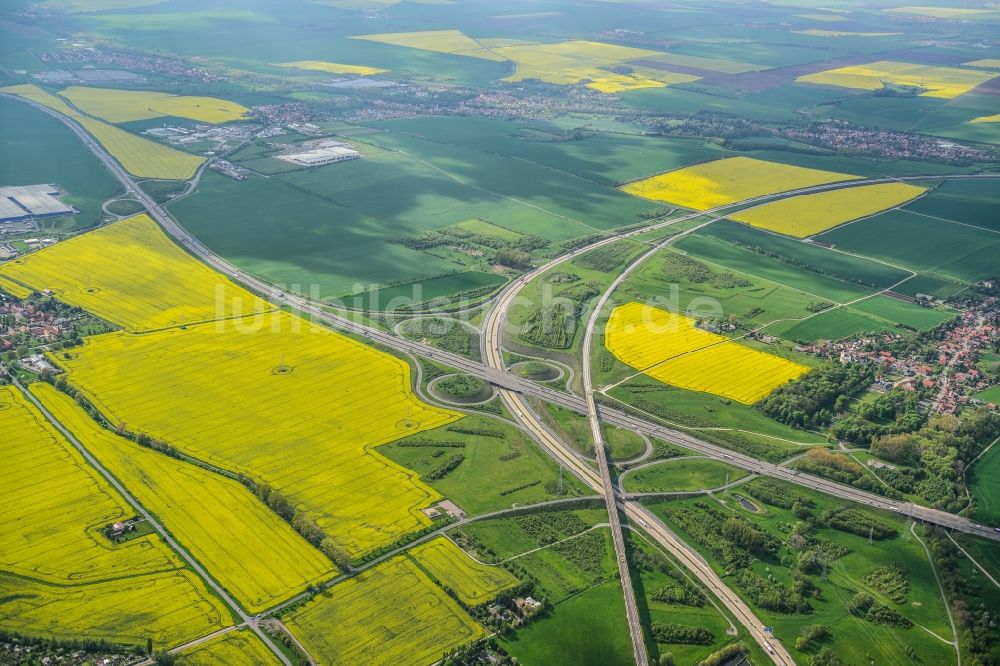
(952, 251)
(587, 630)
(36, 148)
(438, 287)
(967, 201)
(984, 484)
(292, 238)
(609, 159)
(572, 198)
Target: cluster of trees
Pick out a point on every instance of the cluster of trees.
(470, 239)
(304, 525)
(977, 621)
(444, 469)
(891, 581)
(895, 411)
(772, 595)
(680, 633)
(447, 334)
(606, 258)
(776, 494)
(682, 268)
(57, 649)
(470, 430)
(863, 605)
(857, 522)
(734, 542)
(728, 654)
(547, 527)
(586, 552)
(554, 324)
(942, 448)
(465, 387)
(811, 634)
(830, 465)
(815, 398)
(425, 443)
(679, 590)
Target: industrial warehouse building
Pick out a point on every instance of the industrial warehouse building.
(27, 201)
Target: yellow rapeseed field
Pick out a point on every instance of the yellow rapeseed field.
(575, 61)
(668, 347)
(823, 18)
(172, 608)
(940, 82)
(139, 156)
(245, 546)
(981, 119)
(450, 566)
(720, 182)
(841, 33)
(59, 576)
(13, 288)
(35, 94)
(439, 41)
(810, 214)
(332, 67)
(281, 400)
(236, 648)
(56, 504)
(391, 614)
(131, 274)
(988, 63)
(709, 64)
(565, 63)
(122, 106)
(937, 12)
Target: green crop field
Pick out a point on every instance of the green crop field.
(438, 287)
(587, 630)
(984, 483)
(573, 199)
(610, 159)
(951, 251)
(294, 239)
(28, 140)
(897, 311)
(830, 325)
(967, 201)
(681, 474)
